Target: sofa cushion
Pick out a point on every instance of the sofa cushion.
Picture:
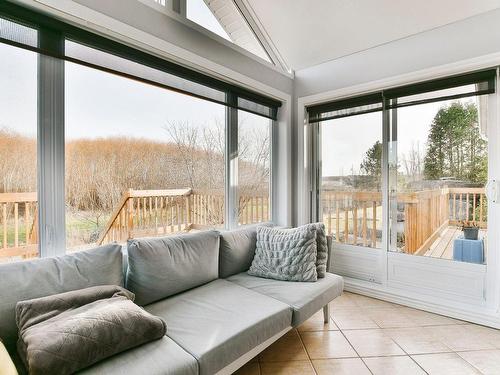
(322, 250)
(237, 248)
(220, 321)
(305, 298)
(67, 332)
(161, 267)
(285, 254)
(160, 357)
(43, 277)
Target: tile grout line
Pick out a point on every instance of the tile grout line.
(409, 356)
(470, 364)
(307, 352)
(390, 338)
(353, 348)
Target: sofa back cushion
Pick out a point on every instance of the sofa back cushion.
(161, 267)
(237, 249)
(43, 277)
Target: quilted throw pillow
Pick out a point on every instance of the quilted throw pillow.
(285, 254)
(63, 333)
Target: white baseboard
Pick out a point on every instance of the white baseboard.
(462, 311)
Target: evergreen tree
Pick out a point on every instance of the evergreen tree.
(455, 147)
(372, 164)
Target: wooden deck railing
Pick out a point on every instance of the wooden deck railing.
(356, 217)
(351, 217)
(148, 213)
(19, 228)
(468, 204)
(426, 214)
(158, 212)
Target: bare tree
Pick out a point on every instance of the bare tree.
(413, 163)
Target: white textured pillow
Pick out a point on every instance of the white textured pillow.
(285, 254)
(322, 249)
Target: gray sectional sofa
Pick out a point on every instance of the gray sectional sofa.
(218, 317)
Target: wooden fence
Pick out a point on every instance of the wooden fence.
(356, 217)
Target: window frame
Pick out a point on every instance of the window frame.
(377, 268)
(51, 126)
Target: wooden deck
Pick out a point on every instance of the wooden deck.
(442, 247)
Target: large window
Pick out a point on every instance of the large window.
(18, 154)
(139, 160)
(121, 143)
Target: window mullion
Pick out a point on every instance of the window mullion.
(51, 211)
(231, 165)
(386, 144)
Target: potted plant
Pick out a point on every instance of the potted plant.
(470, 229)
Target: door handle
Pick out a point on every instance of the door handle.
(492, 190)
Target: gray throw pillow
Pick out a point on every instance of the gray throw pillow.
(66, 332)
(285, 254)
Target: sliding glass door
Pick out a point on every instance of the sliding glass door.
(438, 171)
(401, 178)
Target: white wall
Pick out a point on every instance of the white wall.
(474, 38)
(147, 19)
(469, 38)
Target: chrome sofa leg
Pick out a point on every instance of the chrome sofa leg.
(326, 313)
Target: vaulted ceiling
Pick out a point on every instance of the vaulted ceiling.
(310, 32)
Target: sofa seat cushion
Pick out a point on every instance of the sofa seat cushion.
(220, 321)
(160, 357)
(305, 298)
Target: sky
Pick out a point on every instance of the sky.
(99, 104)
(346, 140)
(197, 11)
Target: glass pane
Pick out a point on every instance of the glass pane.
(18, 33)
(119, 64)
(198, 12)
(254, 168)
(140, 160)
(351, 169)
(226, 20)
(18, 154)
(438, 170)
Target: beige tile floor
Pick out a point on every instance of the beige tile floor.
(369, 336)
